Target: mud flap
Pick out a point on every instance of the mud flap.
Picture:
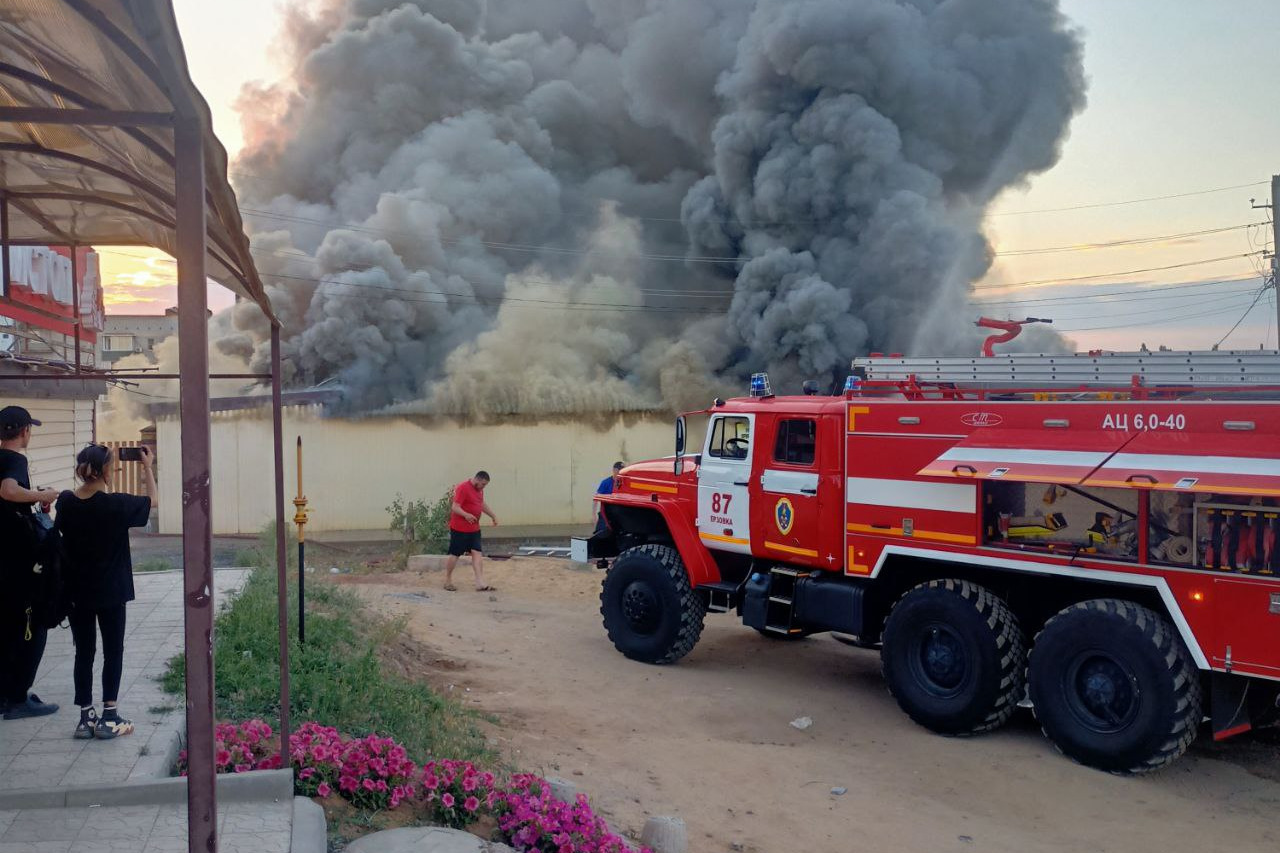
(601, 545)
(1230, 705)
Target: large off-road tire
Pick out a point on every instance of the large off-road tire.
(1114, 687)
(954, 657)
(650, 611)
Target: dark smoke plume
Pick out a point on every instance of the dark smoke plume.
(553, 206)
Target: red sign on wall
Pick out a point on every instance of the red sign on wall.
(41, 291)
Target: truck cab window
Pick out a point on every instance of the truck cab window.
(797, 442)
(730, 438)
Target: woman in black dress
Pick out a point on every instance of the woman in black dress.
(95, 525)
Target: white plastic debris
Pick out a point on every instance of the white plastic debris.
(801, 723)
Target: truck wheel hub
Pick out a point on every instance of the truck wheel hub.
(640, 607)
(1101, 692)
(941, 662)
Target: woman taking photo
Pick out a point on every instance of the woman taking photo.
(95, 526)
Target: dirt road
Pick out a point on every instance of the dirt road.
(709, 738)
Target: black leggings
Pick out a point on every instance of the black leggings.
(84, 632)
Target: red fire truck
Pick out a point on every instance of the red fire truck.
(1097, 535)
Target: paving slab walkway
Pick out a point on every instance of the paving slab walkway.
(40, 753)
(248, 827)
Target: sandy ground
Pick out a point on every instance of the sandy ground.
(709, 739)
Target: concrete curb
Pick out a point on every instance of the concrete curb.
(158, 764)
(257, 785)
(310, 831)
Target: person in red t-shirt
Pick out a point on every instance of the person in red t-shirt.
(464, 528)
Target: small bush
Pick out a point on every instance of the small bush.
(428, 524)
(336, 677)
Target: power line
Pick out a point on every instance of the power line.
(1135, 241)
(492, 301)
(713, 259)
(1153, 295)
(1261, 290)
(559, 304)
(497, 245)
(1136, 290)
(1217, 300)
(1044, 281)
(1128, 201)
(1194, 315)
(728, 220)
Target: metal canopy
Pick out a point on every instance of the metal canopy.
(105, 140)
(89, 94)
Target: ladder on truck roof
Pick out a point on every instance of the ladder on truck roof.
(1184, 369)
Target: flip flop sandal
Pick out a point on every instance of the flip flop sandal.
(450, 588)
(486, 589)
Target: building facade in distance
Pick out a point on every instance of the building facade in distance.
(134, 334)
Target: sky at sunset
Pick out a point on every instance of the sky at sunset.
(1181, 101)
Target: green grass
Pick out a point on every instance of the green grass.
(336, 679)
(153, 564)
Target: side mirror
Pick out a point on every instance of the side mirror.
(680, 439)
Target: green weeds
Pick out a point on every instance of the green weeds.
(336, 679)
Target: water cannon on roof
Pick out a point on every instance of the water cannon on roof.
(1009, 329)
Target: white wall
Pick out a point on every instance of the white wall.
(543, 473)
(67, 427)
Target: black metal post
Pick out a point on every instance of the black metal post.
(302, 590)
(300, 519)
(4, 244)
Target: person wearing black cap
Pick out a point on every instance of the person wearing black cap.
(21, 642)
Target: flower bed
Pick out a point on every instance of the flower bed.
(375, 773)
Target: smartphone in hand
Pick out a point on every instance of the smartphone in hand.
(129, 454)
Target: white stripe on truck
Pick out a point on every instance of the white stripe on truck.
(943, 497)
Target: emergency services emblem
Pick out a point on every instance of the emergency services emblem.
(785, 515)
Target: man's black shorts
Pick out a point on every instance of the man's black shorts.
(460, 543)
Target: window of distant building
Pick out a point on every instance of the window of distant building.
(119, 343)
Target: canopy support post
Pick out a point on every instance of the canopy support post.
(197, 527)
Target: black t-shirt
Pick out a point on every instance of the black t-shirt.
(95, 539)
(13, 466)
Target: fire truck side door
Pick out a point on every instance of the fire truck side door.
(724, 484)
(790, 506)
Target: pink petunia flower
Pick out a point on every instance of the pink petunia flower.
(324, 790)
(448, 801)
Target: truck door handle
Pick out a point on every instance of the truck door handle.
(742, 483)
(808, 491)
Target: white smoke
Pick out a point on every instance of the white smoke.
(576, 205)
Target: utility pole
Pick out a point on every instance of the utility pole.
(1275, 247)
(1275, 252)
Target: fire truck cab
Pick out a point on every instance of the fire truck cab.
(1005, 530)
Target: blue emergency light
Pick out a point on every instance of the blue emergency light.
(851, 384)
(760, 385)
